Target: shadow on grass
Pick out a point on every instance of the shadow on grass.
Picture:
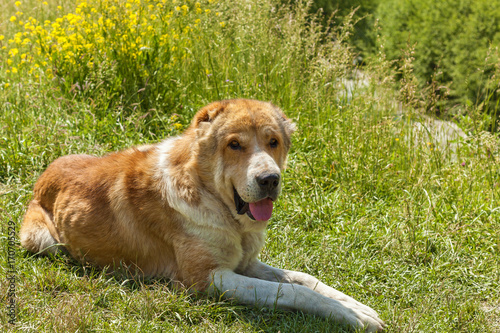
(159, 301)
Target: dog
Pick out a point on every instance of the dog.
(192, 208)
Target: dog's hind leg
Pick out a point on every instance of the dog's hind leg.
(35, 231)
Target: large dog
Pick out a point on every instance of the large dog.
(192, 208)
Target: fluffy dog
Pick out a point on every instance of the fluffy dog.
(192, 208)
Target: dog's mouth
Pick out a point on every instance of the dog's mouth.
(260, 210)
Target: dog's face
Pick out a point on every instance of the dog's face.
(247, 143)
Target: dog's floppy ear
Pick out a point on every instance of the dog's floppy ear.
(205, 116)
(287, 126)
(208, 113)
(290, 126)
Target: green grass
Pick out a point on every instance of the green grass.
(367, 207)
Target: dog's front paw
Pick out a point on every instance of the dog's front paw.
(354, 314)
(365, 317)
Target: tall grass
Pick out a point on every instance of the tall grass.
(370, 206)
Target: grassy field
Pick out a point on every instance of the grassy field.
(369, 206)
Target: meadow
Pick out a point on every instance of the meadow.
(371, 206)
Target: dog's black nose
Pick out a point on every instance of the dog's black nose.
(268, 181)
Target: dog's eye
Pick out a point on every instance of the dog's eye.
(273, 143)
(234, 145)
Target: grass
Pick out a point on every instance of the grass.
(368, 206)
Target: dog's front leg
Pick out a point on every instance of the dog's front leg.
(288, 296)
(260, 270)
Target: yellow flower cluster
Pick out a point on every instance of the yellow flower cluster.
(125, 31)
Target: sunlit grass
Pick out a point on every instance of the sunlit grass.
(370, 206)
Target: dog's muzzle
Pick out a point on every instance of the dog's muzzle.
(260, 210)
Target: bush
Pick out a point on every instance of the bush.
(455, 37)
(362, 38)
(119, 49)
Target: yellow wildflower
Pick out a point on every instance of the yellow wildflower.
(13, 19)
(17, 3)
(13, 52)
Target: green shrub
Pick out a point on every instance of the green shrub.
(453, 37)
(113, 48)
(361, 38)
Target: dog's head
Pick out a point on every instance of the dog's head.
(243, 146)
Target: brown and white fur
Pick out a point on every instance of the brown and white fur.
(183, 209)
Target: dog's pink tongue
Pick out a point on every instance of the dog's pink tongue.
(262, 210)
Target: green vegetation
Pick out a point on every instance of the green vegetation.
(371, 206)
(455, 44)
(361, 12)
(455, 39)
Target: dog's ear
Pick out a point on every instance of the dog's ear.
(290, 126)
(208, 113)
(287, 126)
(205, 116)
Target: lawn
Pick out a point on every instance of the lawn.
(370, 205)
